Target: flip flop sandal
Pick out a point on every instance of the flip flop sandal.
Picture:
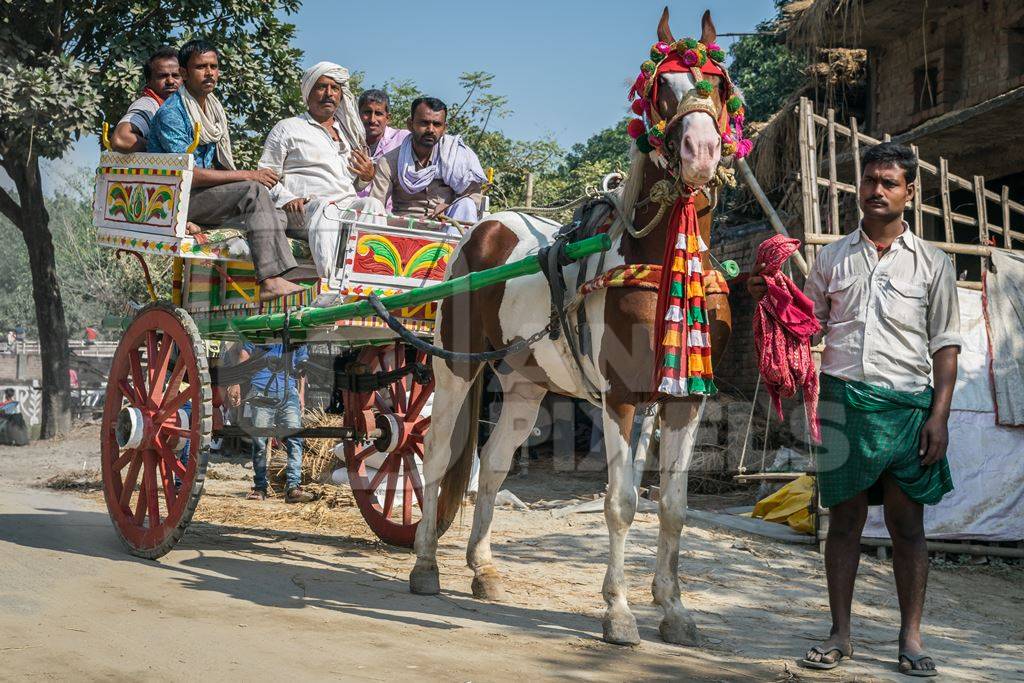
(811, 664)
(914, 661)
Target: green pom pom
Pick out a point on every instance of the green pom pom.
(704, 87)
(648, 67)
(734, 104)
(656, 56)
(644, 145)
(717, 55)
(702, 57)
(690, 43)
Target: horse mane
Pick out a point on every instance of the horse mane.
(628, 194)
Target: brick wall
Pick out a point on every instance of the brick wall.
(973, 48)
(736, 372)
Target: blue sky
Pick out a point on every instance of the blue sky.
(565, 65)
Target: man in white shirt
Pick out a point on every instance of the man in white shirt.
(887, 303)
(162, 77)
(322, 160)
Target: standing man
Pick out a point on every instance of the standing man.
(887, 303)
(381, 138)
(321, 158)
(163, 77)
(431, 174)
(221, 193)
(276, 399)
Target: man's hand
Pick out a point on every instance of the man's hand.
(362, 165)
(439, 210)
(296, 206)
(264, 176)
(934, 440)
(756, 286)
(234, 395)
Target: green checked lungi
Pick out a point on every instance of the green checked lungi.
(867, 431)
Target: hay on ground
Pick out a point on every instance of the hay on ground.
(318, 459)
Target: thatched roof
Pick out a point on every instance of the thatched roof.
(855, 23)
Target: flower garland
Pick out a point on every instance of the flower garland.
(648, 134)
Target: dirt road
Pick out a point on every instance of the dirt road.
(288, 601)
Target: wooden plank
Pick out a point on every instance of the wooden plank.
(981, 201)
(839, 184)
(1004, 204)
(918, 217)
(947, 209)
(855, 151)
(751, 525)
(833, 193)
(948, 247)
(812, 156)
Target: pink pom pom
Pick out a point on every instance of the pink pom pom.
(663, 48)
(714, 46)
(743, 148)
(636, 128)
(738, 119)
(691, 58)
(655, 140)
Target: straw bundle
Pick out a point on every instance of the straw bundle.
(318, 459)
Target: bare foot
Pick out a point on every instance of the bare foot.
(192, 229)
(276, 287)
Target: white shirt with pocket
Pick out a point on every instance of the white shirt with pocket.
(884, 318)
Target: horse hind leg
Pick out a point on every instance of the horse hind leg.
(519, 410)
(679, 423)
(446, 441)
(619, 624)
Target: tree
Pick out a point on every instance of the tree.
(65, 67)
(766, 70)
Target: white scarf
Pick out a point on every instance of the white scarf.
(213, 125)
(451, 161)
(346, 114)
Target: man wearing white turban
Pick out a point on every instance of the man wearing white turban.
(322, 160)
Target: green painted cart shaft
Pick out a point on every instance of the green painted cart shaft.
(316, 317)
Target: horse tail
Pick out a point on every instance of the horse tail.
(464, 445)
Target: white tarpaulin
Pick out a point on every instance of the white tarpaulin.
(986, 460)
(1004, 289)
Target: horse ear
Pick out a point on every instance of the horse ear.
(707, 29)
(664, 32)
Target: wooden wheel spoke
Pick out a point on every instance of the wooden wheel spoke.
(416, 437)
(138, 377)
(421, 426)
(150, 489)
(416, 449)
(385, 467)
(151, 355)
(170, 407)
(168, 483)
(129, 482)
(129, 392)
(124, 459)
(357, 458)
(169, 459)
(378, 401)
(389, 492)
(177, 431)
(406, 497)
(158, 371)
(416, 405)
(415, 479)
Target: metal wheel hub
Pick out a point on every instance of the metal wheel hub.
(130, 428)
(392, 433)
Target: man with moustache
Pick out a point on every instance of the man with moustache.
(221, 193)
(163, 77)
(381, 138)
(322, 160)
(431, 174)
(887, 303)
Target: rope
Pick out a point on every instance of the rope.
(551, 209)
(665, 193)
(750, 420)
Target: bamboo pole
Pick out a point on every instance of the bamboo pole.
(918, 216)
(1004, 204)
(833, 192)
(980, 200)
(947, 208)
(529, 190)
(948, 247)
(807, 175)
(769, 210)
(855, 150)
(812, 163)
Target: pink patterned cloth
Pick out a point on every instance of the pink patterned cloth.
(784, 323)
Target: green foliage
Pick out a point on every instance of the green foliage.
(766, 70)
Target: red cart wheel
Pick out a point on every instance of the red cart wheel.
(156, 429)
(386, 483)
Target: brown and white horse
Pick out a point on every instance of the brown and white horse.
(620, 363)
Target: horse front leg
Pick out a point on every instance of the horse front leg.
(619, 624)
(679, 423)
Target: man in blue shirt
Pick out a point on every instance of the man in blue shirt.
(275, 400)
(220, 193)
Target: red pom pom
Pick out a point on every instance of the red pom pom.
(636, 128)
(639, 107)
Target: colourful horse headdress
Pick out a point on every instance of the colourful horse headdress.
(686, 56)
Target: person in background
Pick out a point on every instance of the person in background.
(381, 138)
(887, 302)
(275, 399)
(431, 174)
(163, 78)
(13, 430)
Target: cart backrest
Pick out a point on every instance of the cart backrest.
(141, 201)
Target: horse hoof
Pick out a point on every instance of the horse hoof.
(425, 581)
(487, 585)
(621, 630)
(680, 631)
